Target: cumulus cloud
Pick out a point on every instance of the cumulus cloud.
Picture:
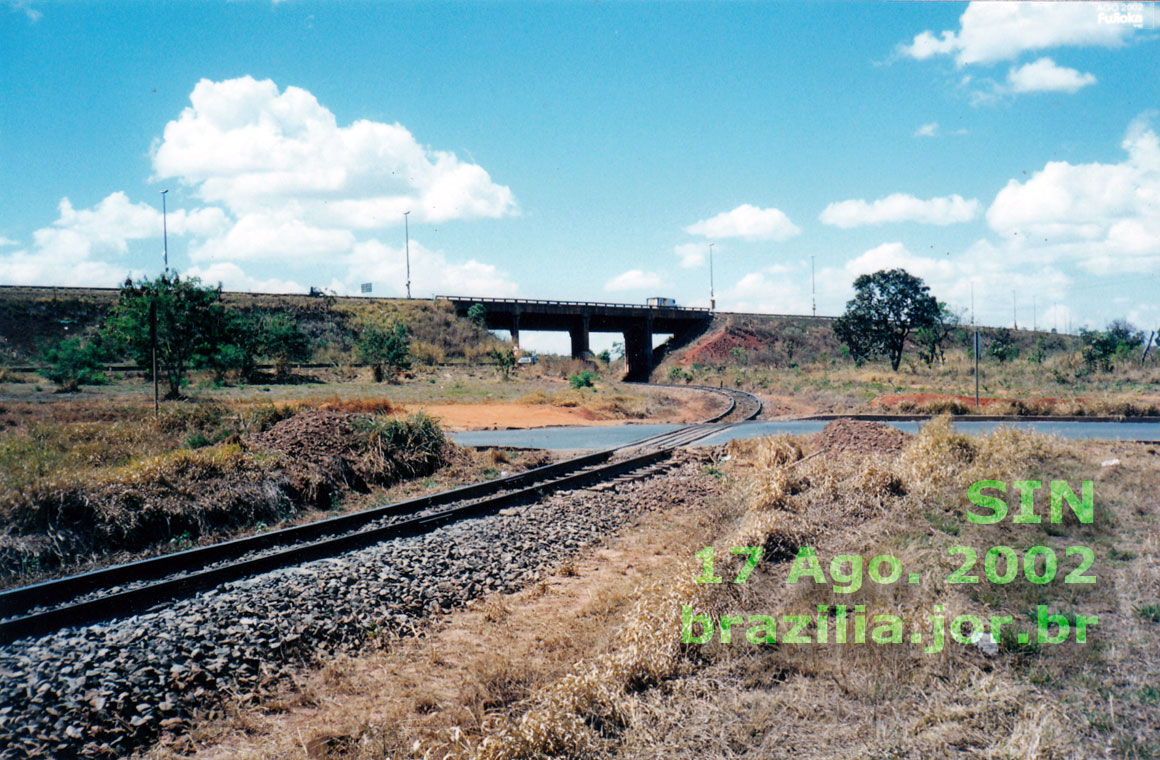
(900, 207)
(274, 237)
(747, 222)
(6, 242)
(1104, 216)
(432, 272)
(76, 248)
(1044, 75)
(633, 279)
(232, 277)
(927, 130)
(256, 150)
(991, 31)
(690, 254)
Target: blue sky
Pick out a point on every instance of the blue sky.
(592, 150)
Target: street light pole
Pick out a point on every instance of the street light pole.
(407, 232)
(813, 292)
(165, 230)
(712, 295)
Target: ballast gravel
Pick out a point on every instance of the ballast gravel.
(107, 689)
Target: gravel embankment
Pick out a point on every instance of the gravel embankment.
(103, 690)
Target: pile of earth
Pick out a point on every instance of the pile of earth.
(324, 452)
(718, 346)
(863, 437)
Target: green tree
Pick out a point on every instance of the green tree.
(282, 340)
(931, 337)
(73, 363)
(505, 359)
(386, 349)
(1002, 347)
(1101, 348)
(190, 324)
(478, 314)
(887, 307)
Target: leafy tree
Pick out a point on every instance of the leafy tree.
(1002, 347)
(282, 340)
(887, 307)
(386, 349)
(931, 337)
(190, 324)
(1100, 349)
(74, 363)
(505, 359)
(605, 356)
(478, 314)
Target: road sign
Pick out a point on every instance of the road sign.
(366, 287)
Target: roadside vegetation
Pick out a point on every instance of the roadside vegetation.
(100, 482)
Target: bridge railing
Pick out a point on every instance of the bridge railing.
(546, 302)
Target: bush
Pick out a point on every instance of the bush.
(386, 349)
(74, 363)
(581, 380)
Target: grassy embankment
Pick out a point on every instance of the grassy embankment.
(799, 360)
(591, 663)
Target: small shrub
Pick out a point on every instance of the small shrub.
(74, 363)
(581, 380)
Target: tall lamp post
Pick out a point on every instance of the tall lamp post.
(712, 296)
(407, 232)
(165, 230)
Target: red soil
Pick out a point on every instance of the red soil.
(716, 346)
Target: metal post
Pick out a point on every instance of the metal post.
(712, 296)
(165, 230)
(978, 345)
(407, 231)
(813, 292)
(153, 341)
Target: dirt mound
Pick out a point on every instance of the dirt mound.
(717, 346)
(863, 437)
(312, 437)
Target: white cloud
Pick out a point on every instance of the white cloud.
(1044, 75)
(900, 207)
(633, 279)
(691, 254)
(1104, 216)
(990, 269)
(274, 237)
(748, 222)
(432, 272)
(6, 242)
(927, 130)
(232, 277)
(997, 31)
(25, 7)
(74, 249)
(256, 150)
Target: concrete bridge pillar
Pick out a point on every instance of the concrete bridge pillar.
(579, 334)
(516, 333)
(638, 354)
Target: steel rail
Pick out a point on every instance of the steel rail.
(181, 574)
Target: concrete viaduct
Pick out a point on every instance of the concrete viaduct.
(637, 322)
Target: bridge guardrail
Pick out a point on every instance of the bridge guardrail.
(548, 302)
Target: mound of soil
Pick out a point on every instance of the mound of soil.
(863, 437)
(716, 346)
(318, 448)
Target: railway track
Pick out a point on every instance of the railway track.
(135, 587)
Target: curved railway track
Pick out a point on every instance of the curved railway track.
(126, 589)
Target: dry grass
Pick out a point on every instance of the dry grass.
(650, 697)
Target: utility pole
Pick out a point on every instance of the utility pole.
(164, 231)
(407, 232)
(1034, 320)
(977, 345)
(1014, 313)
(813, 292)
(712, 295)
